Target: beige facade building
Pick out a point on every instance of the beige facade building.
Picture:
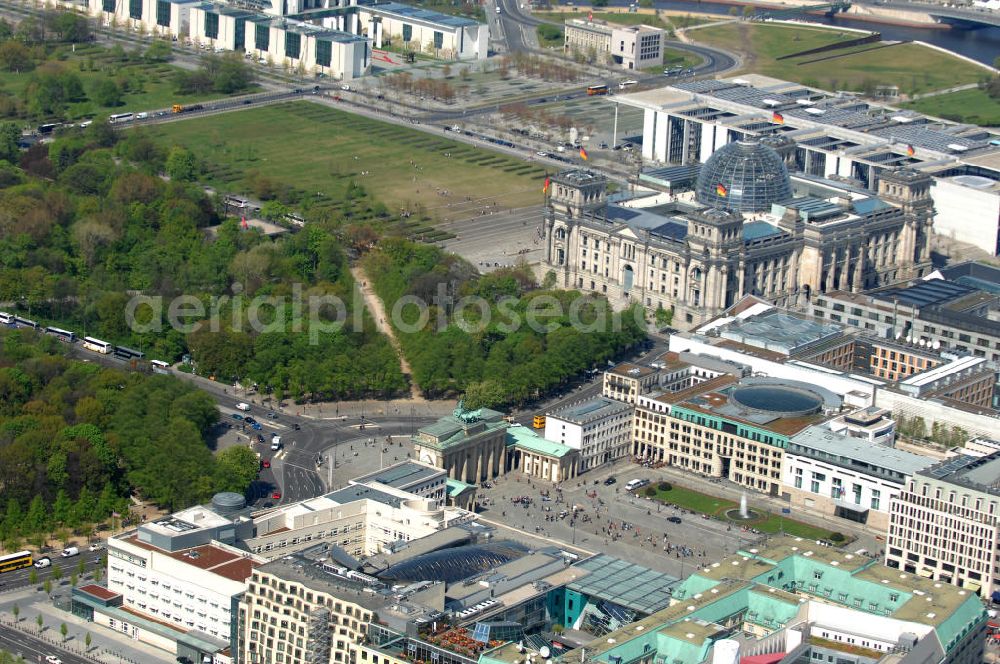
(541, 458)
(698, 261)
(946, 523)
(628, 46)
(471, 446)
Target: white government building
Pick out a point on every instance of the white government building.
(331, 37)
(836, 136)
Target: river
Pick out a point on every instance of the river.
(982, 45)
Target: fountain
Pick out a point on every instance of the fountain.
(744, 513)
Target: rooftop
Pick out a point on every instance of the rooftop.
(402, 475)
(354, 492)
(631, 370)
(976, 473)
(589, 410)
(524, 438)
(460, 427)
(625, 584)
(926, 293)
(209, 557)
(779, 331)
(841, 450)
(309, 569)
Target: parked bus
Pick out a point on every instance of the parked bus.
(598, 90)
(627, 84)
(118, 118)
(25, 322)
(61, 335)
(6, 318)
(159, 366)
(538, 422)
(123, 353)
(13, 561)
(96, 345)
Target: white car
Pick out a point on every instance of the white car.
(52, 659)
(542, 153)
(242, 406)
(345, 86)
(95, 547)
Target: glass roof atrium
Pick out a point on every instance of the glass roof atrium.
(743, 176)
(455, 564)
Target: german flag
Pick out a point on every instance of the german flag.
(583, 154)
(545, 187)
(777, 118)
(721, 190)
(910, 150)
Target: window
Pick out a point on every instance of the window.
(211, 25)
(293, 45)
(876, 498)
(135, 8)
(407, 32)
(324, 53)
(108, 6)
(262, 37)
(240, 34)
(438, 39)
(163, 13)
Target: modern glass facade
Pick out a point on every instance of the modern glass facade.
(163, 13)
(262, 37)
(743, 177)
(293, 45)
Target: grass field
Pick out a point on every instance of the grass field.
(717, 507)
(150, 84)
(912, 67)
(315, 148)
(973, 106)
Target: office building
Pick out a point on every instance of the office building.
(944, 526)
(470, 446)
(598, 428)
(700, 259)
(848, 478)
(832, 136)
(410, 476)
(872, 424)
(627, 46)
(332, 38)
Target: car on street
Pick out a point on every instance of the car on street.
(42, 562)
(251, 421)
(273, 416)
(52, 659)
(242, 406)
(276, 495)
(237, 416)
(267, 464)
(611, 480)
(674, 519)
(256, 426)
(542, 153)
(95, 547)
(297, 426)
(260, 438)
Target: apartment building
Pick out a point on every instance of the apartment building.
(946, 524)
(626, 381)
(829, 473)
(599, 428)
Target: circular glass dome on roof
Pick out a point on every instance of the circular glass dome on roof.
(743, 176)
(455, 564)
(779, 400)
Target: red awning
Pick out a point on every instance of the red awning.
(772, 658)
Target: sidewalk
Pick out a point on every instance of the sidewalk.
(106, 646)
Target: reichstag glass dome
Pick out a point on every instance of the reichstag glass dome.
(743, 176)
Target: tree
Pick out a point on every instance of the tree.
(63, 630)
(15, 56)
(40, 620)
(106, 92)
(47, 587)
(181, 164)
(87, 640)
(56, 571)
(16, 610)
(159, 51)
(237, 468)
(73, 579)
(71, 27)
(33, 577)
(10, 134)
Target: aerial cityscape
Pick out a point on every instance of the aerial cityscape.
(500, 331)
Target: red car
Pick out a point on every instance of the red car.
(267, 464)
(276, 495)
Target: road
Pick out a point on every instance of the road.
(34, 649)
(67, 566)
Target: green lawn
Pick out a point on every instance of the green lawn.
(315, 148)
(973, 106)
(912, 67)
(150, 84)
(717, 507)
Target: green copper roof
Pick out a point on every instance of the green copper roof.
(525, 438)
